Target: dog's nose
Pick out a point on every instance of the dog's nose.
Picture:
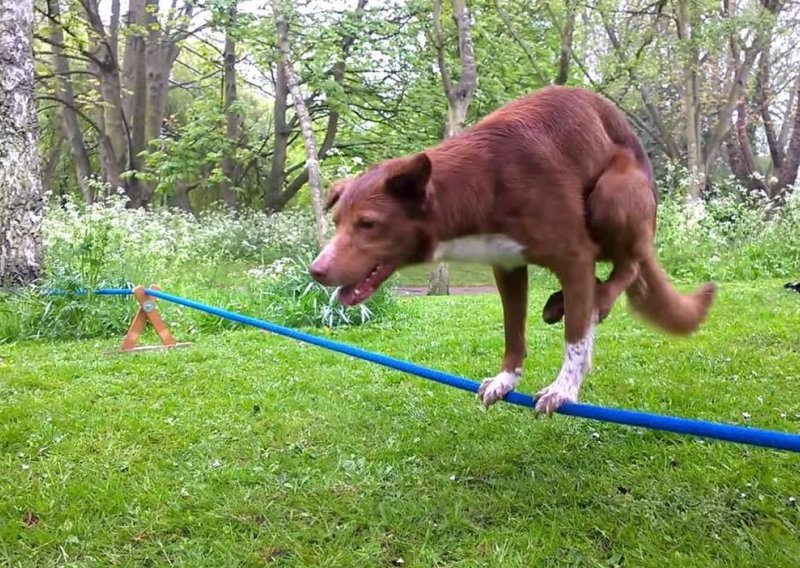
(318, 272)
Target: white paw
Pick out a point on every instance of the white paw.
(550, 398)
(495, 388)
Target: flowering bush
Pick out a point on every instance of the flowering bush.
(108, 245)
(737, 235)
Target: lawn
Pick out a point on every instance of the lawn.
(250, 450)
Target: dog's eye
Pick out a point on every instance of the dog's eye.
(365, 224)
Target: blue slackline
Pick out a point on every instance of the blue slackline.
(702, 428)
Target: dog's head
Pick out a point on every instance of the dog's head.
(381, 219)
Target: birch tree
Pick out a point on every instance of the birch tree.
(21, 196)
(293, 84)
(459, 96)
(280, 187)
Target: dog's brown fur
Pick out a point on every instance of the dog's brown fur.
(561, 173)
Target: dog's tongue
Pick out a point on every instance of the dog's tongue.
(363, 291)
(354, 295)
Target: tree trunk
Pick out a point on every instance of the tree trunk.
(748, 159)
(791, 164)
(65, 94)
(763, 98)
(741, 68)
(133, 92)
(229, 167)
(735, 161)
(786, 128)
(49, 168)
(274, 193)
(742, 158)
(134, 42)
(565, 50)
(691, 100)
(116, 137)
(312, 160)
(142, 17)
(21, 196)
(114, 140)
(157, 70)
(459, 97)
(182, 197)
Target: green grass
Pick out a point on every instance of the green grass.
(250, 450)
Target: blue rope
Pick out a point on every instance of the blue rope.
(702, 428)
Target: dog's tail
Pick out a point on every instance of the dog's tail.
(653, 297)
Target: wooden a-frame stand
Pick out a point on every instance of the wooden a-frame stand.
(147, 313)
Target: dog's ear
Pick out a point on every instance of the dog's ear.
(409, 180)
(335, 192)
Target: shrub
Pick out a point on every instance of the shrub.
(204, 257)
(106, 241)
(737, 235)
(298, 300)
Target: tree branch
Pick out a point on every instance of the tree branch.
(438, 42)
(468, 80)
(73, 108)
(741, 71)
(520, 42)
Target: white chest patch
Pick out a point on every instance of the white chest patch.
(495, 250)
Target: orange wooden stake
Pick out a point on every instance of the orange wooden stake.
(147, 312)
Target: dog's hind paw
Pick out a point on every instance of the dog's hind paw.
(553, 310)
(495, 388)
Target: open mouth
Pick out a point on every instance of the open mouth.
(363, 291)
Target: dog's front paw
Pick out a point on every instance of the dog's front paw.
(550, 398)
(495, 388)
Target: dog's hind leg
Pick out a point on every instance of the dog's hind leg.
(553, 310)
(622, 219)
(606, 294)
(513, 287)
(578, 283)
(621, 212)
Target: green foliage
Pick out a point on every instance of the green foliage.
(34, 314)
(389, 100)
(728, 238)
(298, 300)
(195, 157)
(210, 257)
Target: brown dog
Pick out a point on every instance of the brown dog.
(556, 179)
